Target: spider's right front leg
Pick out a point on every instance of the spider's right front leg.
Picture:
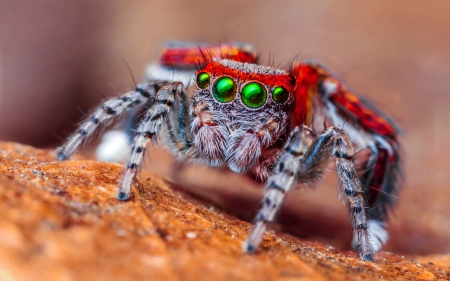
(281, 181)
(148, 129)
(111, 108)
(304, 161)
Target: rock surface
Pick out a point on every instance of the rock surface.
(61, 221)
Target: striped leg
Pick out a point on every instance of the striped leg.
(111, 108)
(307, 159)
(147, 130)
(353, 191)
(279, 183)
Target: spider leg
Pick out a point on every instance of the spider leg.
(352, 189)
(110, 109)
(367, 126)
(148, 128)
(306, 158)
(279, 183)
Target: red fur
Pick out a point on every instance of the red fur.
(186, 56)
(368, 119)
(309, 76)
(306, 81)
(273, 80)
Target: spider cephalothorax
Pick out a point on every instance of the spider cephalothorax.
(239, 111)
(254, 119)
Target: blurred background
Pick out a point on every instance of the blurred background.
(59, 59)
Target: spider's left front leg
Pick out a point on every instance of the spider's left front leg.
(166, 99)
(304, 160)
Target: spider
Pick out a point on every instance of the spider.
(257, 121)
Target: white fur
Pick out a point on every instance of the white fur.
(114, 147)
(378, 236)
(155, 72)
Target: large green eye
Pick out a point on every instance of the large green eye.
(254, 95)
(280, 95)
(224, 89)
(203, 80)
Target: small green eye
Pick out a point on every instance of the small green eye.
(254, 95)
(203, 80)
(224, 89)
(280, 95)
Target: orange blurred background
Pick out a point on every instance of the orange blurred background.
(58, 59)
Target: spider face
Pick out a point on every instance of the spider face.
(239, 111)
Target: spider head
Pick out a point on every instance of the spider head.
(239, 111)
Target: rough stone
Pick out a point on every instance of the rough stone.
(61, 221)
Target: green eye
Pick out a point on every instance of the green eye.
(203, 80)
(224, 89)
(280, 95)
(254, 95)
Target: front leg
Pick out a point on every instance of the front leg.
(306, 160)
(147, 130)
(279, 183)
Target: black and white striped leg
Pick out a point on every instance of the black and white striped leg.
(147, 130)
(353, 191)
(279, 183)
(111, 108)
(306, 158)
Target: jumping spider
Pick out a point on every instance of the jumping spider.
(254, 119)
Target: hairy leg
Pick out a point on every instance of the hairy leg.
(147, 130)
(352, 189)
(279, 183)
(304, 160)
(111, 108)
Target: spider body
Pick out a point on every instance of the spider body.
(254, 119)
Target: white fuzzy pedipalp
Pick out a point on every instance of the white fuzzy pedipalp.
(243, 150)
(210, 142)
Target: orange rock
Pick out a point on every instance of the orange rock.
(61, 221)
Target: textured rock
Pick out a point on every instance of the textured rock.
(61, 221)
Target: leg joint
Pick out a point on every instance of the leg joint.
(344, 155)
